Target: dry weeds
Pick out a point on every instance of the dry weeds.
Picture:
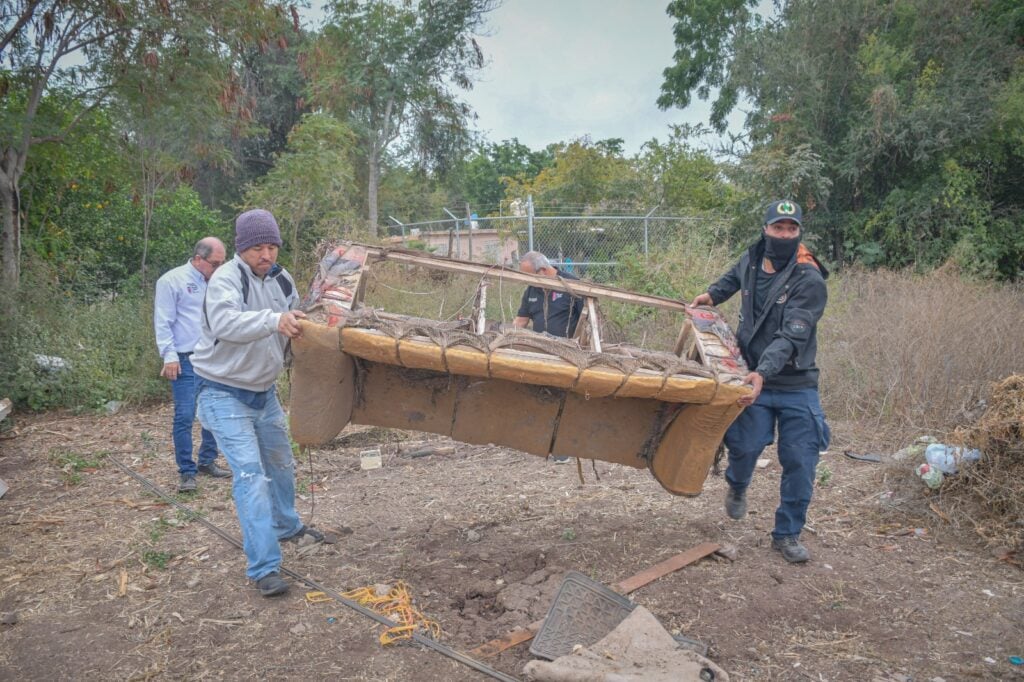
(989, 494)
(916, 352)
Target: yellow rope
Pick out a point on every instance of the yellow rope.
(396, 605)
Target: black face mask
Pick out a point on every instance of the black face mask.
(780, 251)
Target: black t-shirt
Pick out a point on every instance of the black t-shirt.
(761, 286)
(562, 310)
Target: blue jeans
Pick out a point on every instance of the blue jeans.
(256, 445)
(183, 389)
(803, 433)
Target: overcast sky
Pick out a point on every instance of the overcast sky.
(560, 69)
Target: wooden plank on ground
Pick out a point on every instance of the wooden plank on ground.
(507, 641)
(630, 584)
(656, 571)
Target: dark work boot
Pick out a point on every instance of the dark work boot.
(213, 470)
(306, 536)
(792, 550)
(187, 483)
(736, 504)
(271, 584)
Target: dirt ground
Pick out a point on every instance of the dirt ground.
(105, 582)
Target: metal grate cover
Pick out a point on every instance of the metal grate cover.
(583, 612)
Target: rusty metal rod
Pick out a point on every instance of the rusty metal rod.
(309, 582)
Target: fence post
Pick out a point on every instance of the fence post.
(646, 221)
(458, 236)
(469, 230)
(398, 222)
(529, 222)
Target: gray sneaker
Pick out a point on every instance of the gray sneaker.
(187, 483)
(792, 550)
(559, 460)
(213, 470)
(271, 584)
(736, 504)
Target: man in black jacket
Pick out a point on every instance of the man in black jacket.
(784, 296)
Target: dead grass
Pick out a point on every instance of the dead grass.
(916, 351)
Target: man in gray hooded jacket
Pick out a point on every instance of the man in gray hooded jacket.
(249, 316)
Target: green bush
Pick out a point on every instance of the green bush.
(107, 349)
(681, 268)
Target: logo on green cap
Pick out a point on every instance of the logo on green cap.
(786, 208)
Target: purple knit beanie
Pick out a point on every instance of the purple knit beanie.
(256, 227)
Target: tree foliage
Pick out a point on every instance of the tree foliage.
(584, 175)
(311, 189)
(485, 175)
(389, 69)
(681, 178)
(706, 33)
(273, 87)
(899, 122)
(89, 50)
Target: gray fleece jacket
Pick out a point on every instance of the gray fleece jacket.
(240, 344)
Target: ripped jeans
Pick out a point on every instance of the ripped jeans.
(255, 444)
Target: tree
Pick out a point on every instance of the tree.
(883, 116)
(180, 113)
(412, 194)
(484, 176)
(85, 232)
(310, 189)
(706, 33)
(89, 49)
(583, 176)
(273, 87)
(679, 177)
(389, 69)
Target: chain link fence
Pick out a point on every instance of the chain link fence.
(673, 256)
(586, 245)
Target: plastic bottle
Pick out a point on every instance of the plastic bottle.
(931, 476)
(949, 458)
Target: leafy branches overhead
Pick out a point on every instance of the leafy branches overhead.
(91, 49)
(706, 33)
(888, 114)
(389, 70)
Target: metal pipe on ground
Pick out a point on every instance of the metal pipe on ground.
(312, 584)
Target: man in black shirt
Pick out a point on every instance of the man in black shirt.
(554, 312)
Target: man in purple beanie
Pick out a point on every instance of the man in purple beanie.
(249, 315)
